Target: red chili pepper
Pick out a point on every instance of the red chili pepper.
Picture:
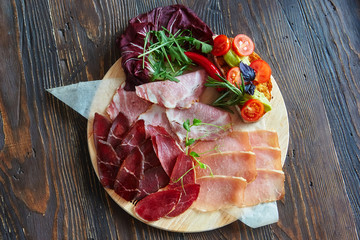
(210, 68)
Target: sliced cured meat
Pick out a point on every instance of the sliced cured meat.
(128, 178)
(118, 129)
(156, 116)
(236, 164)
(264, 138)
(203, 112)
(157, 205)
(128, 103)
(154, 179)
(151, 160)
(133, 138)
(267, 187)
(268, 158)
(166, 149)
(219, 192)
(189, 193)
(108, 163)
(172, 94)
(101, 128)
(183, 172)
(232, 141)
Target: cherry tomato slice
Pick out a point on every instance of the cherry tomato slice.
(252, 110)
(221, 45)
(243, 45)
(233, 76)
(262, 71)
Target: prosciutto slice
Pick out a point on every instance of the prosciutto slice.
(268, 158)
(101, 128)
(233, 141)
(267, 187)
(129, 175)
(219, 192)
(108, 163)
(157, 205)
(128, 103)
(172, 94)
(236, 164)
(264, 138)
(203, 112)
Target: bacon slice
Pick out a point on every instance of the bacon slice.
(183, 169)
(233, 141)
(189, 193)
(101, 128)
(108, 163)
(268, 158)
(267, 187)
(118, 129)
(157, 205)
(128, 103)
(236, 164)
(264, 138)
(129, 175)
(204, 112)
(219, 192)
(172, 94)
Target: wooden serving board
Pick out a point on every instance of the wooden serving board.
(192, 220)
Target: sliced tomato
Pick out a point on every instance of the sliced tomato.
(262, 71)
(221, 45)
(233, 76)
(252, 110)
(243, 45)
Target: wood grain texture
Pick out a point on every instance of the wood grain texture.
(47, 186)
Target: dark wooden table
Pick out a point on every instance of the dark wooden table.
(48, 188)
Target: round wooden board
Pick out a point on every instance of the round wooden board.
(191, 220)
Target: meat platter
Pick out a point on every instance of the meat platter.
(191, 220)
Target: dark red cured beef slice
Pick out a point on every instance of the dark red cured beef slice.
(129, 175)
(108, 163)
(157, 205)
(154, 179)
(119, 128)
(165, 148)
(101, 127)
(189, 193)
(183, 169)
(133, 138)
(151, 160)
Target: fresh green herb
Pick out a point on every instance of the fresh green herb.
(166, 52)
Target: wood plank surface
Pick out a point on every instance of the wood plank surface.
(48, 189)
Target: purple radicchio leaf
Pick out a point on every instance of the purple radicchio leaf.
(131, 42)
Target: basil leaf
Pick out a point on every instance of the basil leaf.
(247, 72)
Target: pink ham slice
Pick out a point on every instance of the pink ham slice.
(128, 178)
(219, 192)
(157, 205)
(189, 193)
(203, 112)
(236, 164)
(128, 103)
(108, 163)
(101, 128)
(264, 138)
(166, 149)
(233, 141)
(268, 158)
(156, 116)
(183, 172)
(267, 187)
(118, 129)
(171, 94)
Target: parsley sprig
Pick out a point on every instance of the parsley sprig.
(166, 52)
